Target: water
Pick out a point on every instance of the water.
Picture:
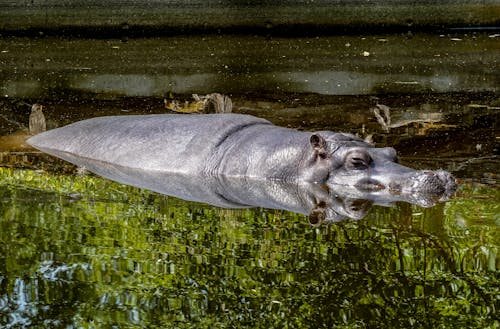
(80, 251)
(341, 65)
(86, 252)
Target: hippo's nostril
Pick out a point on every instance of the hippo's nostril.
(395, 187)
(449, 182)
(435, 182)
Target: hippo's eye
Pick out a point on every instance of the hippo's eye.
(358, 163)
(358, 160)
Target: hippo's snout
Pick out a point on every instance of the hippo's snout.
(437, 183)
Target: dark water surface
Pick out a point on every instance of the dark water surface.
(340, 65)
(79, 251)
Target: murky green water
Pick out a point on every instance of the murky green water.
(86, 252)
(79, 251)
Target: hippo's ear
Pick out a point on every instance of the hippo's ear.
(318, 143)
(318, 214)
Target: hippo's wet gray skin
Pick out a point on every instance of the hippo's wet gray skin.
(232, 145)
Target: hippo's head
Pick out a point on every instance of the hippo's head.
(346, 160)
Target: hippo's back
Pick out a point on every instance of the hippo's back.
(165, 142)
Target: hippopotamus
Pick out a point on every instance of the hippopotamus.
(236, 146)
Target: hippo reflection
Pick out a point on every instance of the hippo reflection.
(319, 202)
(232, 146)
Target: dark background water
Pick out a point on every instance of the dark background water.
(79, 251)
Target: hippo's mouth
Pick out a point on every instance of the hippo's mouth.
(369, 185)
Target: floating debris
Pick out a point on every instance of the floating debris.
(211, 103)
(384, 121)
(187, 107)
(406, 82)
(37, 120)
(418, 124)
(482, 106)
